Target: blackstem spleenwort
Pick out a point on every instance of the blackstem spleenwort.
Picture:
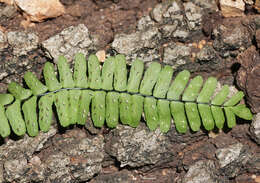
(114, 97)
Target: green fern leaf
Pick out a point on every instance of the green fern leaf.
(115, 96)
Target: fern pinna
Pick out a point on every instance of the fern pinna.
(114, 97)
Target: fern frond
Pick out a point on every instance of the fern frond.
(113, 96)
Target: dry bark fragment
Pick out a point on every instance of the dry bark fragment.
(39, 10)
